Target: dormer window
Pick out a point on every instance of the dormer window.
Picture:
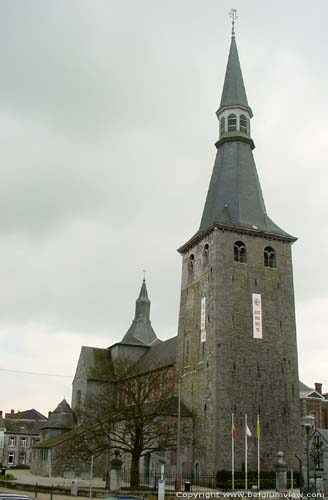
(243, 124)
(222, 125)
(269, 257)
(232, 122)
(239, 252)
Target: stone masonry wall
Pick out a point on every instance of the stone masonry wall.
(239, 373)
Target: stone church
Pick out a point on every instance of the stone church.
(236, 350)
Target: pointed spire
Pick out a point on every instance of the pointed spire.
(234, 93)
(234, 198)
(141, 331)
(143, 302)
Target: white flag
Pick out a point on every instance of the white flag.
(248, 432)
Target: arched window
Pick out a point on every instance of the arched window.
(232, 122)
(269, 257)
(191, 264)
(222, 125)
(239, 252)
(243, 124)
(205, 254)
(197, 471)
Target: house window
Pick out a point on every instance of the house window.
(239, 252)
(222, 125)
(269, 257)
(205, 254)
(22, 458)
(243, 124)
(23, 442)
(11, 458)
(12, 441)
(232, 122)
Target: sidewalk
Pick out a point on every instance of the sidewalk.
(41, 496)
(25, 477)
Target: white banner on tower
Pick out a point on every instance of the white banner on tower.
(257, 315)
(203, 320)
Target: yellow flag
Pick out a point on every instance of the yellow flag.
(258, 428)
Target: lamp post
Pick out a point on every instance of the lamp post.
(307, 422)
(178, 485)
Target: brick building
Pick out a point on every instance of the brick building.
(314, 402)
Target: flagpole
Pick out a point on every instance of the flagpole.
(232, 453)
(245, 451)
(258, 451)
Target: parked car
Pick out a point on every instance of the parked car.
(14, 496)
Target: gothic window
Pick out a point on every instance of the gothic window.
(269, 257)
(243, 124)
(191, 264)
(205, 254)
(222, 125)
(239, 252)
(232, 122)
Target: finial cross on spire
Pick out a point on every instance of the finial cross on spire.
(144, 273)
(233, 16)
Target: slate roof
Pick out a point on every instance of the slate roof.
(141, 331)
(234, 92)
(234, 196)
(323, 432)
(234, 200)
(23, 426)
(97, 363)
(31, 414)
(158, 356)
(56, 440)
(61, 418)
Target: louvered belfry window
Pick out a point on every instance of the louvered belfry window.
(232, 122)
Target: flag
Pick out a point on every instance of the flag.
(233, 431)
(258, 428)
(248, 432)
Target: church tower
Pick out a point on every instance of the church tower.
(237, 350)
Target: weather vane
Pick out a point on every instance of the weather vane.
(233, 16)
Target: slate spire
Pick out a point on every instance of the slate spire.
(234, 93)
(234, 199)
(141, 331)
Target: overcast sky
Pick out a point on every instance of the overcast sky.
(107, 132)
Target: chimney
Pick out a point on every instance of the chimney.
(318, 387)
(12, 412)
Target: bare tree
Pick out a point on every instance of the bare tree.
(135, 413)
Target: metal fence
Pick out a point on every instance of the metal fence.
(173, 482)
